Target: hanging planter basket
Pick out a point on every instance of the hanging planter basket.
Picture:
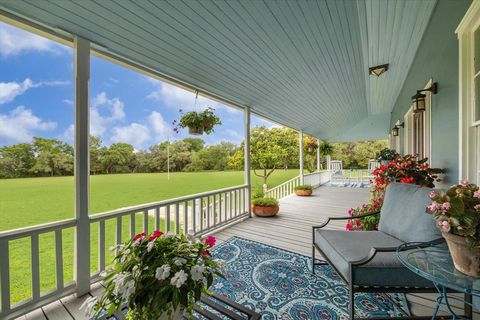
(195, 131)
(199, 123)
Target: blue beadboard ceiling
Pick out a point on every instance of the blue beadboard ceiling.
(301, 63)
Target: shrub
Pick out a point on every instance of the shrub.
(258, 193)
(265, 202)
(304, 187)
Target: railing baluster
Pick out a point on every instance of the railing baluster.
(194, 214)
(35, 267)
(157, 218)
(145, 221)
(232, 214)
(4, 275)
(119, 230)
(201, 214)
(208, 212)
(59, 258)
(235, 199)
(101, 245)
(167, 218)
(185, 217)
(132, 225)
(220, 211)
(177, 218)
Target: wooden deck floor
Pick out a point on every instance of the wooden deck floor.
(290, 230)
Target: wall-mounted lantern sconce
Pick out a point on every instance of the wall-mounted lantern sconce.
(396, 129)
(378, 70)
(418, 100)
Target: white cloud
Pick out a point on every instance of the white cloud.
(158, 124)
(68, 101)
(10, 90)
(136, 134)
(68, 135)
(14, 41)
(21, 124)
(104, 113)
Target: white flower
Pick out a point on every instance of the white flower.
(120, 281)
(179, 279)
(162, 272)
(150, 246)
(135, 272)
(179, 261)
(128, 289)
(197, 272)
(89, 304)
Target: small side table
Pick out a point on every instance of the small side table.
(435, 264)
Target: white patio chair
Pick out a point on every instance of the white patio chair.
(336, 170)
(372, 165)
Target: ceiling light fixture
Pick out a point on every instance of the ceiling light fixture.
(378, 70)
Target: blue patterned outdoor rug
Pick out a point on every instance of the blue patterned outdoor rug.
(279, 285)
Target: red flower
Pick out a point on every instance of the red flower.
(348, 227)
(205, 253)
(156, 234)
(139, 236)
(391, 164)
(383, 167)
(210, 241)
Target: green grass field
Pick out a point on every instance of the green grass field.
(31, 201)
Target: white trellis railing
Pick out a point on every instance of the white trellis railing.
(315, 179)
(200, 213)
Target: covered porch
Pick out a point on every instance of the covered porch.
(307, 65)
(293, 223)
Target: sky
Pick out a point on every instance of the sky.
(37, 90)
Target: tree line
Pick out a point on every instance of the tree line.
(271, 149)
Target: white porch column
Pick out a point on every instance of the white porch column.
(318, 155)
(82, 165)
(300, 144)
(247, 159)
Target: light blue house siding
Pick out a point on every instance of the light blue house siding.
(437, 58)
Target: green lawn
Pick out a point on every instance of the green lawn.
(31, 201)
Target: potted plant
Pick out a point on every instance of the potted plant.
(157, 277)
(198, 122)
(265, 207)
(457, 213)
(304, 190)
(310, 144)
(386, 155)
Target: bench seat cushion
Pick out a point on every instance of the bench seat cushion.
(342, 247)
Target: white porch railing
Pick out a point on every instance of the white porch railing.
(200, 213)
(315, 179)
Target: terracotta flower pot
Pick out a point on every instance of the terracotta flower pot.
(265, 211)
(195, 131)
(465, 258)
(303, 193)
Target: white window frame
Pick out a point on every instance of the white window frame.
(408, 134)
(469, 128)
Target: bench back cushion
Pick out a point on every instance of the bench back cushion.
(403, 213)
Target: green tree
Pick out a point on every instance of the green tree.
(16, 160)
(212, 157)
(53, 157)
(195, 144)
(96, 154)
(357, 154)
(272, 149)
(118, 158)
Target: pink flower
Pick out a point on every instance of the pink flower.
(348, 227)
(464, 183)
(446, 206)
(476, 194)
(477, 207)
(444, 225)
(434, 206)
(139, 236)
(432, 194)
(350, 211)
(155, 234)
(210, 241)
